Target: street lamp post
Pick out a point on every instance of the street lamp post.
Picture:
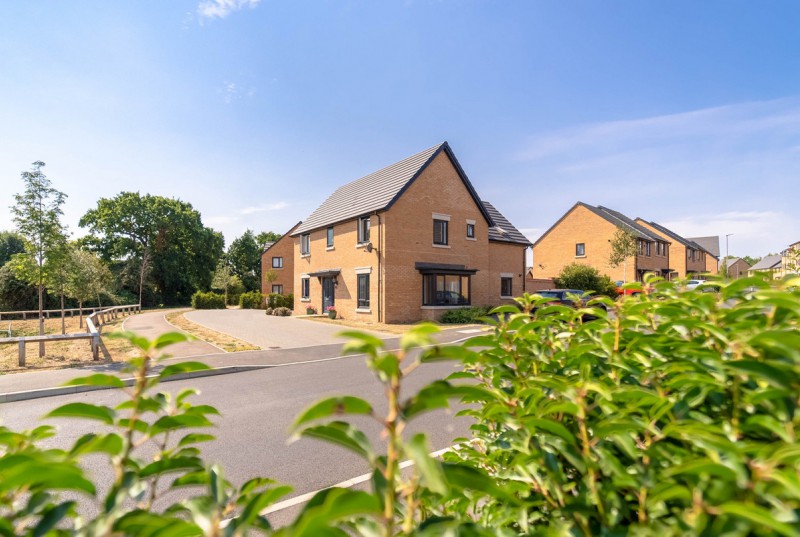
(726, 254)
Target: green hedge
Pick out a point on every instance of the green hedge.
(465, 315)
(252, 300)
(276, 300)
(208, 301)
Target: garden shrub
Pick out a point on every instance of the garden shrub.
(465, 315)
(585, 278)
(675, 413)
(251, 300)
(268, 310)
(282, 312)
(208, 301)
(277, 300)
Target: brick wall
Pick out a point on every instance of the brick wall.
(580, 225)
(283, 248)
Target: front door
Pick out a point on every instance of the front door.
(327, 293)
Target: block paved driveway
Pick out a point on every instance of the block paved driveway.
(270, 332)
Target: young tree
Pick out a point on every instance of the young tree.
(624, 244)
(37, 214)
(222, 277)
(88, 277)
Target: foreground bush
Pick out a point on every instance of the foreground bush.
(674, 414)
(208, 301)
(585, 278)
(465, 315)
(252, 300)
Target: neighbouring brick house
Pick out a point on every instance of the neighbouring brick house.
(769, 264)
(407, 243)
(711, 245)
(736, 267)
(584, 235)
(687, 258)
(278, 257)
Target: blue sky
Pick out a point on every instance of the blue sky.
(683, 112)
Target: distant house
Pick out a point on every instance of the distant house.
(407, 243)
(278, 259)
(736, 267)
(790, 259)
(711, 245)
(687, 258)
(770, 264)
(584, 235)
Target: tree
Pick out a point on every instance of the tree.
(244, 256)
(15, 294)
(585, 278)
(223, 277)
(267, 236)
(10, 243)
(37, 214)
(87, 278)
(165, 238)
(751, 260)
(624, 244)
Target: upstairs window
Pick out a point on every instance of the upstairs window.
(363, 229)
(470, 231)
(329, 234)
(440, 232)
(277, 262)
(647, 248)
(580, 250)
(277, 289)
(305, 244)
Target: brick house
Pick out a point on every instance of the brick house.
(769, 264)
(711, 245)
(736, 267)
(687, 258)
(584, 235)
(407, 243)
(278, 256)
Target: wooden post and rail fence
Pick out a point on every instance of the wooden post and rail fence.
(94, 327)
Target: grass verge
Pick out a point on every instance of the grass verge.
(218, 339)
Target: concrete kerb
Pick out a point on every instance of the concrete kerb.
(68, 390)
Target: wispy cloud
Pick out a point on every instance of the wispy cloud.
(727, 169)
(264, 208)
(219, 9)
(231, 91)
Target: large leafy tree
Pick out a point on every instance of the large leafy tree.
(37, 214)
(267, 236)
(10, 243)
(165, 238)
(244, 256)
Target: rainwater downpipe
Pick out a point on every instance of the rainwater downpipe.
(380, 253)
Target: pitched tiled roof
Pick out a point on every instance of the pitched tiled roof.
(709, 244)
(732, 261)
(674, 236)
(622, 221)
(503, 230)
(767, 263)
(379, 190)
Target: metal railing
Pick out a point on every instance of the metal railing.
(94, 327)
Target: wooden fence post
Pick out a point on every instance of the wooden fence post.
(22, 353)
(95, 347)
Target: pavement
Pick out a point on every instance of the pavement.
(48, 383)
(269, 331)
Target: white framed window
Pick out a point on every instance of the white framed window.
(305, 244)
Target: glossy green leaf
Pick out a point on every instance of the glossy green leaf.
(97, 379)
(84, 411)
(333, 406)
(182, 367)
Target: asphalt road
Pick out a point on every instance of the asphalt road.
(257, 409)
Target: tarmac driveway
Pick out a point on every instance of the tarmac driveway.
(270, 332)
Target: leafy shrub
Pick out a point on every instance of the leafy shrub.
(282, 312)
(465, 315)
(268, 310)
(251, 300)
(585, 278)
(677, 415)
(208, 301)
(276, 300)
